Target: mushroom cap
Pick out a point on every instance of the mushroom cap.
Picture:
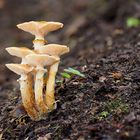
(54, 49)
(39, 27)
(19, 52)
(41, 59)
(19, 68)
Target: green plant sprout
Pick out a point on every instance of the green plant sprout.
(103, 114)
(71, 71)
(65, 75)
(132, 22)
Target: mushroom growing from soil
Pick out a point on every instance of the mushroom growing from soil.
(40, 61)
(21, 53)
(39, 29)
(44, 59)
(24, 71)
(53, 50)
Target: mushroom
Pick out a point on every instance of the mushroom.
(54, 50)
(40, 61)
(39, 29)
(25, 87)
(20, 52)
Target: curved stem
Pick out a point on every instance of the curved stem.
(28, 96)
(50, 88)
(39, 91)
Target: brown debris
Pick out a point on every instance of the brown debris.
(117, 75)
(74, 27)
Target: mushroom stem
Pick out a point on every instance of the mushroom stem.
(39, 91)
(23, 61)
(39, 36)
(28, 96)
(50, 88)
(38, 43)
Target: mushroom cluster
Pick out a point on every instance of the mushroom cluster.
(35, 64)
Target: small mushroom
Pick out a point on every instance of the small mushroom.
(20, 52)
(40, 61)
(25, 87)
(54, 50)
(39, 29)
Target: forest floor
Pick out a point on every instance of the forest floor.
(105, 105)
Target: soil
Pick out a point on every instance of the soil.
(105, 105)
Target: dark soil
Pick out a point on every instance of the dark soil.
(105, 105)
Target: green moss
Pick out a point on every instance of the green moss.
(115, 107)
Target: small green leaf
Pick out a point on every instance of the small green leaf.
(104, 114)
(133, 22)
(65, 75)
(74, 71)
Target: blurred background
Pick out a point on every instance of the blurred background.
(75, 14)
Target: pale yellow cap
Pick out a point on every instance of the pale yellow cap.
(41, 59)
(19, 68)
(39, 28)
(19, 52)
(54, 49)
